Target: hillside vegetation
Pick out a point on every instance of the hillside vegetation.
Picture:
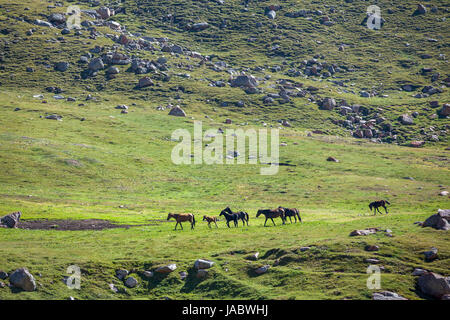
(67, 153)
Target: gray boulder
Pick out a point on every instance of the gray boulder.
(177, 112)
(10, 220)
(387, 295)
(406, 119)
(166, 269)
(96, 64)
(61, 66)
(23, 279)
(244, 81)
(440, 220)
(434, 284)
(131, 282)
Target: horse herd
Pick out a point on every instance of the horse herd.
(234, 217)
(230, 216)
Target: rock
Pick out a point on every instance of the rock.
(57, 18)
(199, 26)
(113, 288)
(387, 295)
(3, 275)
(372, 261)
(145, 82)
(420, 10)
(104, 12)
(440, 221)
(253, 256)
(328, 104)
(202, 273)
(364, 232)
(112, 70)
(203, 264)
(443, 193)
(285, 123)
(183, 275)
(23, 279)
(43, 23)
(416, 144)
(131, 282)
(372, 248)
(121, 274)
(166, 269)
(303, 249)
(61, 66)
(431, 254)
(271, 14)
(96, 64)
(54, 117)
(332, 159)
(434, 284)
(177, 112)
(406, 119)
(419, 272)
(10, 220)
(147, 274)
(445, 111)
(262, 270)
(244, 81)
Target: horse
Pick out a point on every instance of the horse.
(291, 212)
(181, 217)
(209, 220)
(240, 215)
(270, 214)
(377, 204)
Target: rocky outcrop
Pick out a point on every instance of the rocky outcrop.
(10, 220)
(440, 220)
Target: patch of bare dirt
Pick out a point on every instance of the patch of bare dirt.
(88, 224)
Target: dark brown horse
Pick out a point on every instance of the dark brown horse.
(376, 204)
(270, 214)
(209, 220)
(234, 216)
(182, 217)
(291, 212)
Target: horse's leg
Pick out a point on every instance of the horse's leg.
(181, 226)
(385, 209)
(228, 223)
(176, 225)
(216, 224)
(265, 222)
(290, 219)
(273, 221)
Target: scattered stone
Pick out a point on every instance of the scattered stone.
(54, 117)
(177, 112)
(244, 81)
(419, 272)
(332, 159)
(431, 254)
(131, 282)
(372, 248)
(253, 256)
(203, 264)
(420, 10)
(3, 275)
(262, 270)
(372, 260)
(145, 82)
(183, 275)
(147, 274)
(406, 119)
(328, 104)
(166, 269)
(23, 279)
(96, 64)
(364, 232)
(121, 274)
(387, 295)
(113, 288)
(443, 193)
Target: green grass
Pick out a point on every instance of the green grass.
(74, 169)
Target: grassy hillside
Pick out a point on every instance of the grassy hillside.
(98, 163)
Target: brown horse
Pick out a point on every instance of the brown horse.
(270, 214)
(182, 217)
(291, 212)
(209, 220)
(377, 204)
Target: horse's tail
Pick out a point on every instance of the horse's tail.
(298, 215)
(193, 220)
(246, 216)
(387, 201)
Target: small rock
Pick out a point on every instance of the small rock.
(431, 254)
(131, 282)
(23, 279)
(121, 274)
(203, 264)
(387, 295)
(166, 269)
(262, 270)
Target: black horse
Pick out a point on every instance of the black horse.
(270, 214)
(291, 212)
(376, 204)
(234, 216)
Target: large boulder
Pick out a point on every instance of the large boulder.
(145, 82)
(199, 26)
(406, 119)
(445, 111)
(10, 220)
(434, 284)
(23, 279)
(104, 12)
(61, 66)
(244, 81)
(440, 220)
(57, 18)
(131, 282)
